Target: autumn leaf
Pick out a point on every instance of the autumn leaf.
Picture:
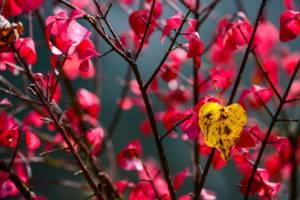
(222, 126)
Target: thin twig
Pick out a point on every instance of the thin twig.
(205, 172)
(265, 106)
(16, 149)
(53, 151)
(20, 97)
(174, 127)
(21, 185)
(147, 173)
(60, 73)
(73, 151)
(146, 31)
(167, 53)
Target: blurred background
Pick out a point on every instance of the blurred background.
(222, 182)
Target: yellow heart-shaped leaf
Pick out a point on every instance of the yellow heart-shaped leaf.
(222, 126)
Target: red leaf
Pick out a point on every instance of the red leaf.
(83, 46)
(281, 146)
(220, 56)
(138, 25)
(167, 30)
(33, 118)
(122, 185)
(179, 178)
(289, 4)
(196, 47)
(168, 73)
(175, 21)
(204, 100)
(27, 49)
(217, 161)
(125, 103)
(8, 138)
(178, 55)
(264, 93)
(272, 189)
(28, 5)
(95, 136)
(84, 65)
(145, 127)
(245, 141)
(223, 76)
(245, 93)
(255, 129)
(10, 9)
(128, 160)
(289, 25)
(142, 190)
(186, 197)
(32, 141)
(197, 63)
(38, 77)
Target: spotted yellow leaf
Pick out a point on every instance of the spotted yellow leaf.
(222, 126)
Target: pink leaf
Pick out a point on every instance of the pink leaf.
(89, 101)
(5, 189)
(5, 101)
(135, 88)
(207, 194)
(191, 125)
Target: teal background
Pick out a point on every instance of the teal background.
(177, 152)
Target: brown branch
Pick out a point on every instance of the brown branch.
(70, 145)
(269, 131)
(146, 31)
(167, 53)
(152, 120)
(21, 186)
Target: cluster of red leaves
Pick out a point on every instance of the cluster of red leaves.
(130, 159)
(9, 137)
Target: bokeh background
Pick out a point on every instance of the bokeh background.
(177, 152)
